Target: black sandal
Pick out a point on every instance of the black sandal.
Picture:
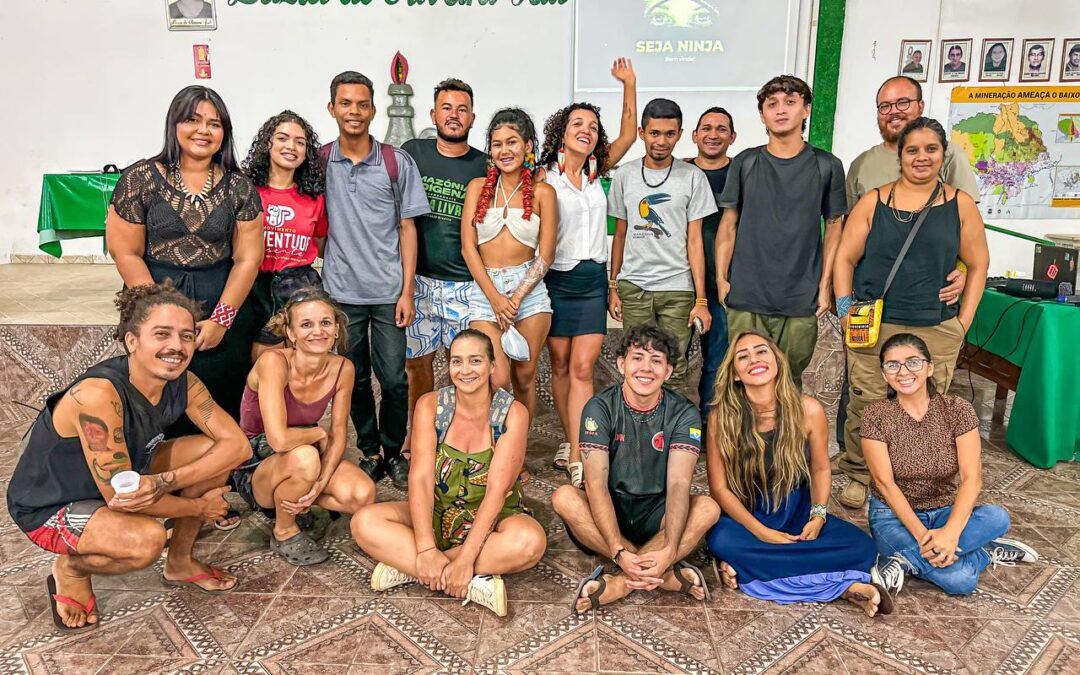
(685, 585)
(594, 597)
(299, 549)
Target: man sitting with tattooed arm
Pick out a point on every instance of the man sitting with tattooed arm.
(111, 419)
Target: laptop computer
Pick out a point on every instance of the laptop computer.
(1055, 263)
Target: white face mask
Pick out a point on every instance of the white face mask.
(515, 345)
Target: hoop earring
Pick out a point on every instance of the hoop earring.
(592, 168)
(560, 159)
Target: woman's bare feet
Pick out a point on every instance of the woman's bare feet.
(616, 589)
(76, 586)
(179, 571)
(727, 575)
(864, 596)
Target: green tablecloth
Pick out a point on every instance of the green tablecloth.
(73, 206)
(1041, 338)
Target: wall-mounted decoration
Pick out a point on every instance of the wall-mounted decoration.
(915, 59)
(1036, 59)
(191, 14)
(1070, 60)
(996, 59)
(955, 60)
(202, 61)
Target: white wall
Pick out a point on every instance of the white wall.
(870, 54)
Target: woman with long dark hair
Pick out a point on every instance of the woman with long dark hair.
(576, 155)
(924, 453)
(284, 165)
(768, 460)
(464, 524)
(508, 241)
(189, 214)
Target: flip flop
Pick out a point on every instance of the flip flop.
(192, 581)
(685, 585)
(231, 514)
(886, 605)
(58, 621)
(594, 597)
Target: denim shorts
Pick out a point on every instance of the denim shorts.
(442, 311)
(506, 279)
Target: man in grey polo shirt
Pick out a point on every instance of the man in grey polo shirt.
(369, 268)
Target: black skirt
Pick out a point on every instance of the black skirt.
(578, 300)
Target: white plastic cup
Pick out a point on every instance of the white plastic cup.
(125, 481)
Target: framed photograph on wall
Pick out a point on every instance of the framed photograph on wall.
(996, 61)
(1070, 60)
(955, 60)
(1036, 59)
(914, 59)
(191, 14)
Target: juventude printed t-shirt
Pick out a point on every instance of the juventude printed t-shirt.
(291, 222)
(654, 256)
(438, 234)
(776, 264)
(710, 225)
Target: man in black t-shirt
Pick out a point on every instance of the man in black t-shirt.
(640, 441)
(775, 275)
(111, 420)
(714, 134)
(443, 283)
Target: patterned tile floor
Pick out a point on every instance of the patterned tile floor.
(325, 619)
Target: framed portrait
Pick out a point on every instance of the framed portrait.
(955, 60)
(191, 14)
(914, 59)
(1036, 59)
(996, 59)
(1070, 60)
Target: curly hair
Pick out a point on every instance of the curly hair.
(136, 302)
(650, 336)
(555, 130)
(518, 120)
(310, 176)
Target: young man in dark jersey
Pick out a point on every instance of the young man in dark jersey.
(640, 441)
(447, 163)
(713, 135)
(112, 419)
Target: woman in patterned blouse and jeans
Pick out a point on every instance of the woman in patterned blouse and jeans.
(917, 441)
(189, 214)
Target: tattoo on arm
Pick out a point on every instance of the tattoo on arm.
(534, 276)
(118, 435)
(95, 431)
(163, 483)
(118, 409)
(74, 394)
(104, 471)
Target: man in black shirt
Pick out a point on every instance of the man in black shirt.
(714, 134)
(112, 420)
(778, 268)
(640, 441)
(443, 283)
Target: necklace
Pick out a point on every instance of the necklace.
(666, 176)
(912, 214)
(207, 186)
(507, 198)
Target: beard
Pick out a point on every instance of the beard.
(452, 138)
(888, 135)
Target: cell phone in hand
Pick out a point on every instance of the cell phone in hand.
(698, 326)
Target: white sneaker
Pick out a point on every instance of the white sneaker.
(889, 574)
(487, 590)
(1008, 552)
(384, 577)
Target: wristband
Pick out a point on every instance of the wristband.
(701, 302)
(819, 511)
(615, 558)
(843, 305)
(223, 315)
(612, 284)
(429, 548)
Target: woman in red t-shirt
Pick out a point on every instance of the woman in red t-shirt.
(283, 164)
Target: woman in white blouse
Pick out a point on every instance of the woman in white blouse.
(576, 153)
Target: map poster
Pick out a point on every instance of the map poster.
(1024, 146)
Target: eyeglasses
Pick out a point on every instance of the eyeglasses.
(914, 365)
(901, 104)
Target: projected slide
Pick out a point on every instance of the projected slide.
(684, 45)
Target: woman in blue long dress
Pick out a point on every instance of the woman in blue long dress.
(769, 470)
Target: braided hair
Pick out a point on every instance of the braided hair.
(518, 120)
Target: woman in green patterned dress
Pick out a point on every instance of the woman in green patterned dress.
(468, 449)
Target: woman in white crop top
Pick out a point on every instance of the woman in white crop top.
(508, 241)
(576, 155)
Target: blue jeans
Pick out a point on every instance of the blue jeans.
(987, 523)
(714, 346)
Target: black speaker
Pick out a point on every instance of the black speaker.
(1029, 288)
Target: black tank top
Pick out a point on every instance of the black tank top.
(912, 299)
(52, 470)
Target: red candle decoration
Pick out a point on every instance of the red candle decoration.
(399, 69)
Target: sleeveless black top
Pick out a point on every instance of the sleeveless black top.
(52, 470)
(912, 299)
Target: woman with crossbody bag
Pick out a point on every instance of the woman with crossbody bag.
(942, 224)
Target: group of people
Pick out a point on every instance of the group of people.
(490, 256)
